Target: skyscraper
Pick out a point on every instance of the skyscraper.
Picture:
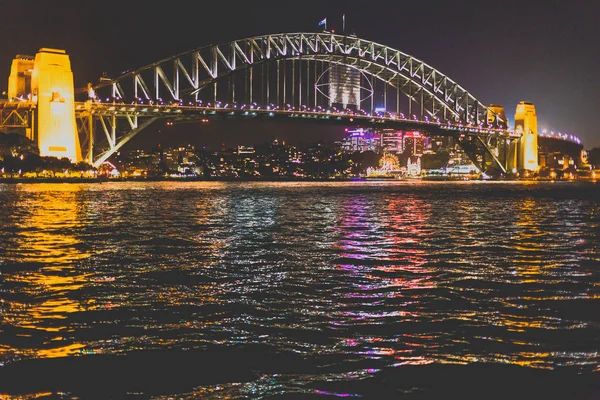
(391, 140)
(344, 86)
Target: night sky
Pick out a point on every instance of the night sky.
(546, 52)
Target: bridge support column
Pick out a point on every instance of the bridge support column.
(52, 86)
(527, 145)
(511, 156)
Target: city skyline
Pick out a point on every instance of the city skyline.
(476, 44)
(274, 199)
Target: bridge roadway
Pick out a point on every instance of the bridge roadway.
(18, 110)
(472, 137)
(179, 112)
(19, 114)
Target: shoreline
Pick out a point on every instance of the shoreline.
(283, 179)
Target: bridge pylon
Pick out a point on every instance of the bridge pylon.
(526, 148)
(53, 90)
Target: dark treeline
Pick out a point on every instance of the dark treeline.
(19, 155)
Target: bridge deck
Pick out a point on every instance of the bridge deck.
(16, 105)
(193, 112)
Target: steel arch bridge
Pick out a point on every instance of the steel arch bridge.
(281, 76)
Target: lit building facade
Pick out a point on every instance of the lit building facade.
(361, 140)
(414, 143)
(344, 86)
(391, 141)
(245, 150)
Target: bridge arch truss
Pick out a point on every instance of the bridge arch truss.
(278, 74)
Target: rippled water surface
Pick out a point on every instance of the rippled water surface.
(300, 290)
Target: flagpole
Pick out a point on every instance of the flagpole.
(344, 24)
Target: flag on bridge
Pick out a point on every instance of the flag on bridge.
(323, 22)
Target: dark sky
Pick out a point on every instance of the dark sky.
(546, 52)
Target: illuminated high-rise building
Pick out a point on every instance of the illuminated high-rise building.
(361, 140)
(414, 143)
(391, 140)
(344, 86)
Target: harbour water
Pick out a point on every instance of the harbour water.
(379, 290)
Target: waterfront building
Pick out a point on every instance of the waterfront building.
(414, 143)
(391, 141)
(361, 140)
(245, 150)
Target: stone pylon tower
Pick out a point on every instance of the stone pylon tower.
(496, 116)
(53, 90)
(527, 145)
(19, 82)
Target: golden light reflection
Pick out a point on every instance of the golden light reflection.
(525, 359)
(178, 296)
(6, 396)
(63, 351)
(45, 235)
(529, 239)
(209, 211)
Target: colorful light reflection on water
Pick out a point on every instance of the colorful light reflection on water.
(296, 288)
